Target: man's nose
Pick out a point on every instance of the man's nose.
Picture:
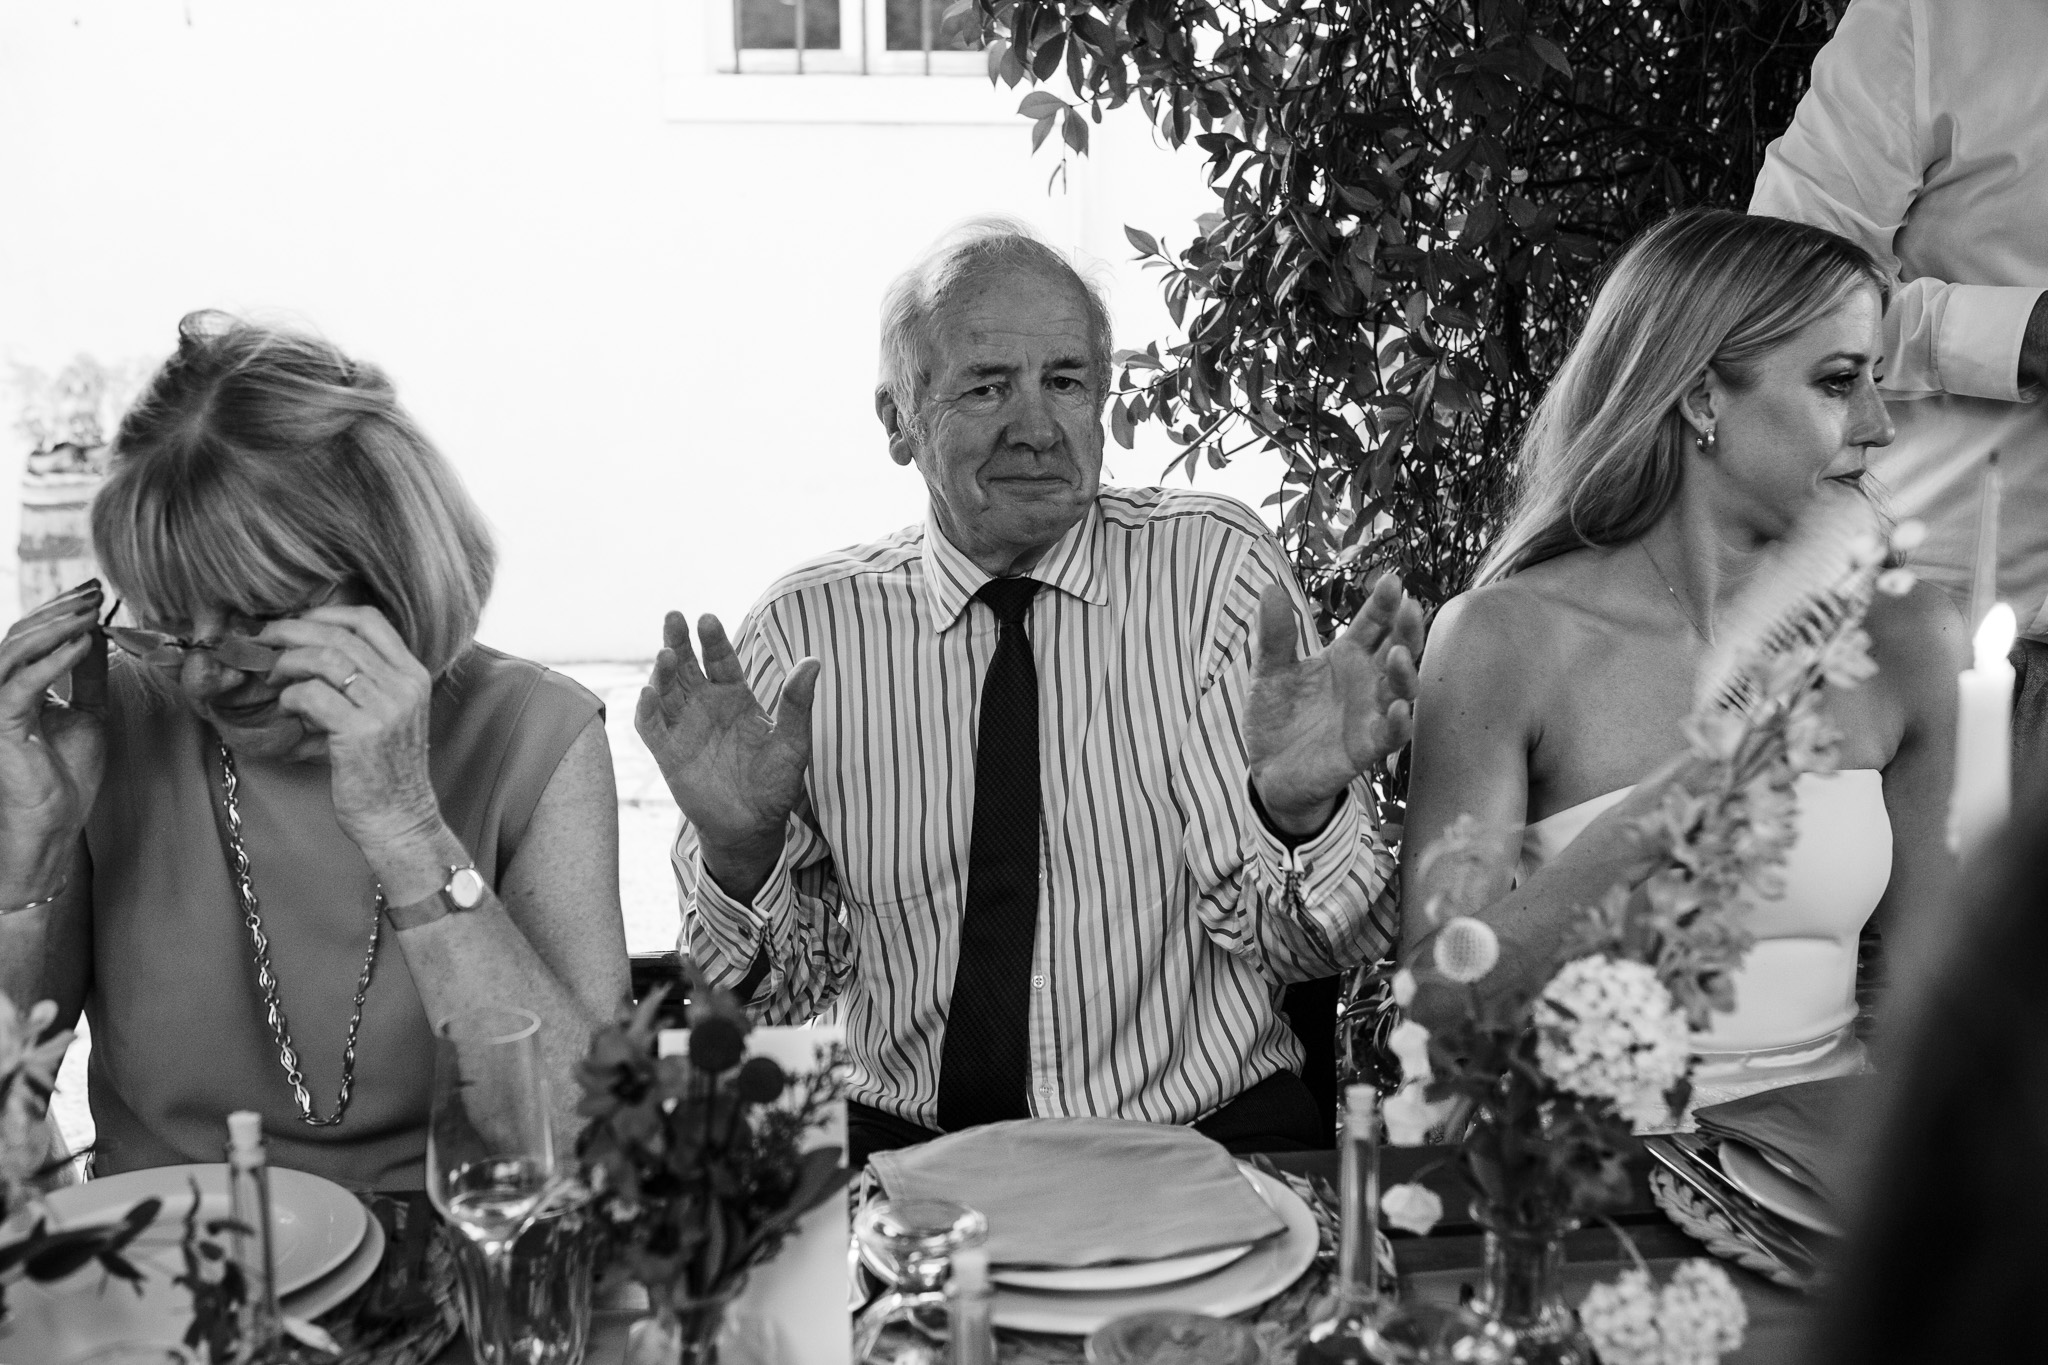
(1031, 422)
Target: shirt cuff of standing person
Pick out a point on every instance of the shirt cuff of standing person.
(1978, 338)
(1346, 855)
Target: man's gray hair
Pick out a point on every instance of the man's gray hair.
(967, 253)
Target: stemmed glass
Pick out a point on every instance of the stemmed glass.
(490, 1155)
(909, 1243)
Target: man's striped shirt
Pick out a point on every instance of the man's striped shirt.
(1163, 939)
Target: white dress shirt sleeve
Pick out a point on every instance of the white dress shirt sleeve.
(1300, 913)
(789, 940)
(1852, 162)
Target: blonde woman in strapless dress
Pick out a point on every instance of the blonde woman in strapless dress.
(1725, 375)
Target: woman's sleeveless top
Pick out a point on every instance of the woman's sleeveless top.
(179, 1037)
(1795, 994)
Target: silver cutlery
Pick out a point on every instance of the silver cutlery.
(1753, 1224)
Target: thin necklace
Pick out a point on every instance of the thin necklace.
(1676, 600)
(266, 980)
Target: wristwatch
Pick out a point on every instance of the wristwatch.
(464, 890)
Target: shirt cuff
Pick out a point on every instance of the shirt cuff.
(1320, 864)
(1977, 345)
(737, 931)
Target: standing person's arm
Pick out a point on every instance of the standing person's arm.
(733, 740)
(1853, 162)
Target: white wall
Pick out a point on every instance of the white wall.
(646, 339)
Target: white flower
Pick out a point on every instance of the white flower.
(29, 1070)
(1621, 1319)
(1409, 1116)
(1608, 1029)
(1696, 1318)
(1466, 949)
(1412, 1208)
(1410, 1042)
(1896, 582)
(1846, 661)
(1908, 535)
(1404, 988)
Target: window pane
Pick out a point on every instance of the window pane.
(772, 23)
(960, 33)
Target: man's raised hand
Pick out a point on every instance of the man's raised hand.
(1313, 724)
(736, 773)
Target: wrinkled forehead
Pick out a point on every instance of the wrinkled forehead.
(1014, 315)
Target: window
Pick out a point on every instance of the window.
(847, 37)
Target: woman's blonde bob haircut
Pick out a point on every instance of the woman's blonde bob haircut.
(1704, 289)
(261, 466)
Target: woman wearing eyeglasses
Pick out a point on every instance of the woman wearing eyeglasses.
(303, 815)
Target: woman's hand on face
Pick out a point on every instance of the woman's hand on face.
(349, 676)
(52, 755)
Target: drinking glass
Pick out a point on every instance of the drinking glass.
(545, 1308)
(490, 1158)
(910, 1243)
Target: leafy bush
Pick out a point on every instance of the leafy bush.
(1414, 198)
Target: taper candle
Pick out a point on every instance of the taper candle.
(1983, 790)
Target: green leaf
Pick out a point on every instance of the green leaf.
(1551, 53)
(1038, 133)
(1040, 103)
(1076, 131)
(1145, 242)
(1046, 60)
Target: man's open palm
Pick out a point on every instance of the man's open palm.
(1313, 724)
(736, 773)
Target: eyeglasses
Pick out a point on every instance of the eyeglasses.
(232, 650)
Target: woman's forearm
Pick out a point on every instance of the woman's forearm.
(45, 952)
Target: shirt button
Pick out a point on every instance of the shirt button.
(1039, 982)
(1045, 1089)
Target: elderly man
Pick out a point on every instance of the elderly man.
(1015, 789)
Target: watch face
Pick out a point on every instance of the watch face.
(466, 888)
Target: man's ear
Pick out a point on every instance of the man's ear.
(900, 448)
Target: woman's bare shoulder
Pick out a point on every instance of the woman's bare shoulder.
(1523, 615)
(1918, 633)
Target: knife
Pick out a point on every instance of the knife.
(1786, 1250)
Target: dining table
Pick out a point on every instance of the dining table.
(1440, 1267)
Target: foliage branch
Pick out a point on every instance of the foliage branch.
(1413, 200)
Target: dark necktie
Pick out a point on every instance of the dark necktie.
(985, 1064)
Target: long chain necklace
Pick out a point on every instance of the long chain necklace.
(266, 979)
(1676, 600)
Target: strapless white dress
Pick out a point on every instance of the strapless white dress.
(1795, 994)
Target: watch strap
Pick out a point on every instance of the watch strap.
(442, 902)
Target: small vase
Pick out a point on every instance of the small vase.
(1521, 1296)
(683, 1330)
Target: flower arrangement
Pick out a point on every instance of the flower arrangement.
(1556, 1082)
(697, 1163)
(29, 1057)
(1693, 1320)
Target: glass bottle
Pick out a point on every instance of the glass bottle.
(249, 1207)
(970, 1309)
(1348, 1328)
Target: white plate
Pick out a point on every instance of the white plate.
(50, 1324)
(1249, 1281)
(1132, 1275)
(345, 1279)
(1775, 1190)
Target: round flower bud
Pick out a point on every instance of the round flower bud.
(1404, 988)
(716, 1045)
(1412, 1208)
(760, 1080)
(1895, 582)
(1908, 535)
(1466, 949)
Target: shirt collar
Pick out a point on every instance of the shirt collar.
(1070, 565)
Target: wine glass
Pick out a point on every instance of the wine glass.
(490, 1156)
(909, 1243)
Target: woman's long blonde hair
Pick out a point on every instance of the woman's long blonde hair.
(1704, 289)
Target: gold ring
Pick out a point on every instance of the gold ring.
(349, 681)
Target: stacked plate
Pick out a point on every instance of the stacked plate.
(325, 1244)
(1075, 1302)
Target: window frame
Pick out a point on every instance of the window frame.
(863, 48)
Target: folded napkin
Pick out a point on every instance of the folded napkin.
(1064, 1193)
(1813, 1131)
